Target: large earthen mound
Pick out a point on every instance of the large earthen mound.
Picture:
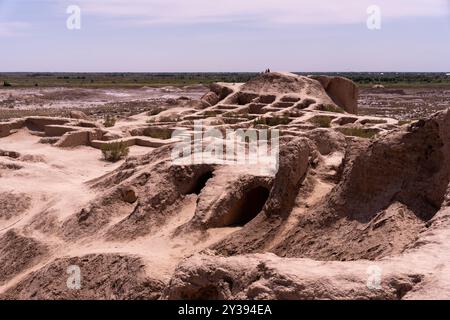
(102, 276)
(348, 194)
(17, 253)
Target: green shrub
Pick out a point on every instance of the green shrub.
(115, 151)
(275, 121)
(330, 108)
(321, 121)
(210, 113)
(6, 84)
(358, 132)
(109, 121)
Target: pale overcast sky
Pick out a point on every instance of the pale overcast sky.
(224, 35)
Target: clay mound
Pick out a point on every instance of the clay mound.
(411, 167)
(158, 187)
(282, 90)
(270, 92)
(388, 233)
(13, 204)
(416, 273)
(45, 222)
(97, 215)
(230, 199)
(388, 193)
(18, 253)
(103, 276)
(163, 192)
(388, 190)
(112, 203)
(255, 235)
(345, 193)
(266, 276)
(343, 91)
(282, 83)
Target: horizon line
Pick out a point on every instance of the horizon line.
(217, 72)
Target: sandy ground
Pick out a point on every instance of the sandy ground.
(53, 178)
(403, 103)
(34, 98)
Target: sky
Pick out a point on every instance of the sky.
(225, 36)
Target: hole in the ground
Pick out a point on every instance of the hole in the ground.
(200, 183)
(289, 98)
(246, 97)
(247, 208)
(267, 99)
(256, 108)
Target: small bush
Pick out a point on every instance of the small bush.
(109, 121)
(210, 113)
(331, 108)
(114, 151)
(6, 84)
(358, 132)
(321, 121)
(275, 121)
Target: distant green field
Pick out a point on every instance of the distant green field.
(101, 80)
(395, 79)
